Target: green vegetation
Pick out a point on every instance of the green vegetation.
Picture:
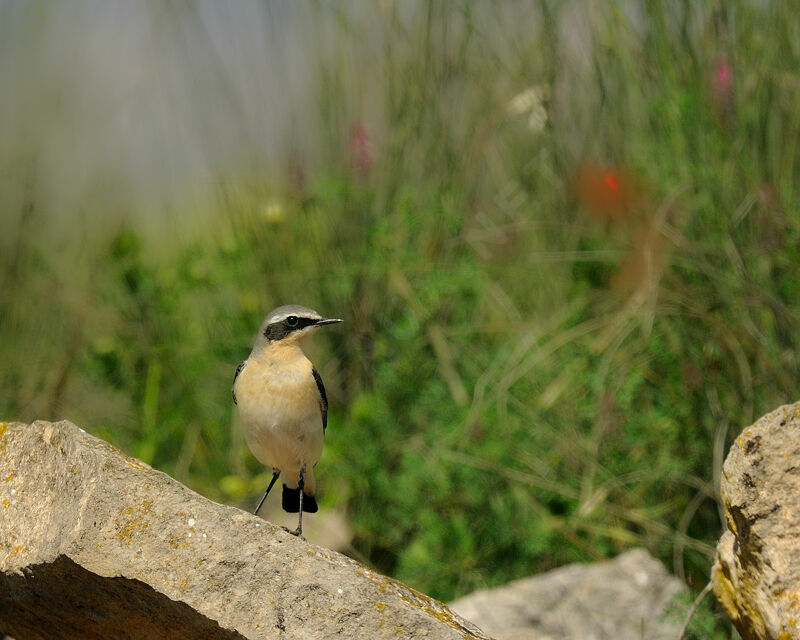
(559, 308)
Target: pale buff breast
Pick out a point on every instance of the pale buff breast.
(279, 407)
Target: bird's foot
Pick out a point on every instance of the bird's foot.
(295, 532)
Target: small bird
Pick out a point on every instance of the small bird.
(282, 405)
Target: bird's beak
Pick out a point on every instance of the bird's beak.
(328, 321)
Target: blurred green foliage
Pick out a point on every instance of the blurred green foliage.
(519, 383)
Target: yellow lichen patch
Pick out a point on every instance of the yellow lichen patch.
(14, 551)
(132, 462)
(136, 520)
(5, 503)
(126, 530)
(178, 543)
(725, 593)
(416, 599)
(10, 477)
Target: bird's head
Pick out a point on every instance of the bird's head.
(290, 324)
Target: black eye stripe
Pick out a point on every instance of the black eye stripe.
(279, 330)
(302, 323)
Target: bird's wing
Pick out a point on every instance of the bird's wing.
(236, 375)
(323, 398)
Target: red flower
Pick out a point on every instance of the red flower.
(606, 191)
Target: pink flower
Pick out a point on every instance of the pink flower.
(361, 148)
(722, 89)
(723, 76)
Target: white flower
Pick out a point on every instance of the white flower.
(531, 101)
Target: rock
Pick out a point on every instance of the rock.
(95, 544)
(756, 573)
(624, 598)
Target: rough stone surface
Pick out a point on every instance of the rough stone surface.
(756, 574)
(625, 598)
(95, 544)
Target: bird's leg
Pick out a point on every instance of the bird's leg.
(301, 483)
(275, 474)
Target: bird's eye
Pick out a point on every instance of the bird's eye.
(291, 321)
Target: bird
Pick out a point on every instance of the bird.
(283, 407)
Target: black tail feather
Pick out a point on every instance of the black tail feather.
(309, 504)
(290, 501)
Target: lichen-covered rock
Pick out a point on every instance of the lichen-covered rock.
(756, 575)
(95, 544)
(625, 598)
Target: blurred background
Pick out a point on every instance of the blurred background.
(561, 235)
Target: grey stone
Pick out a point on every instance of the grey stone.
(621, 599)
(756, 573)
(96, 544)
